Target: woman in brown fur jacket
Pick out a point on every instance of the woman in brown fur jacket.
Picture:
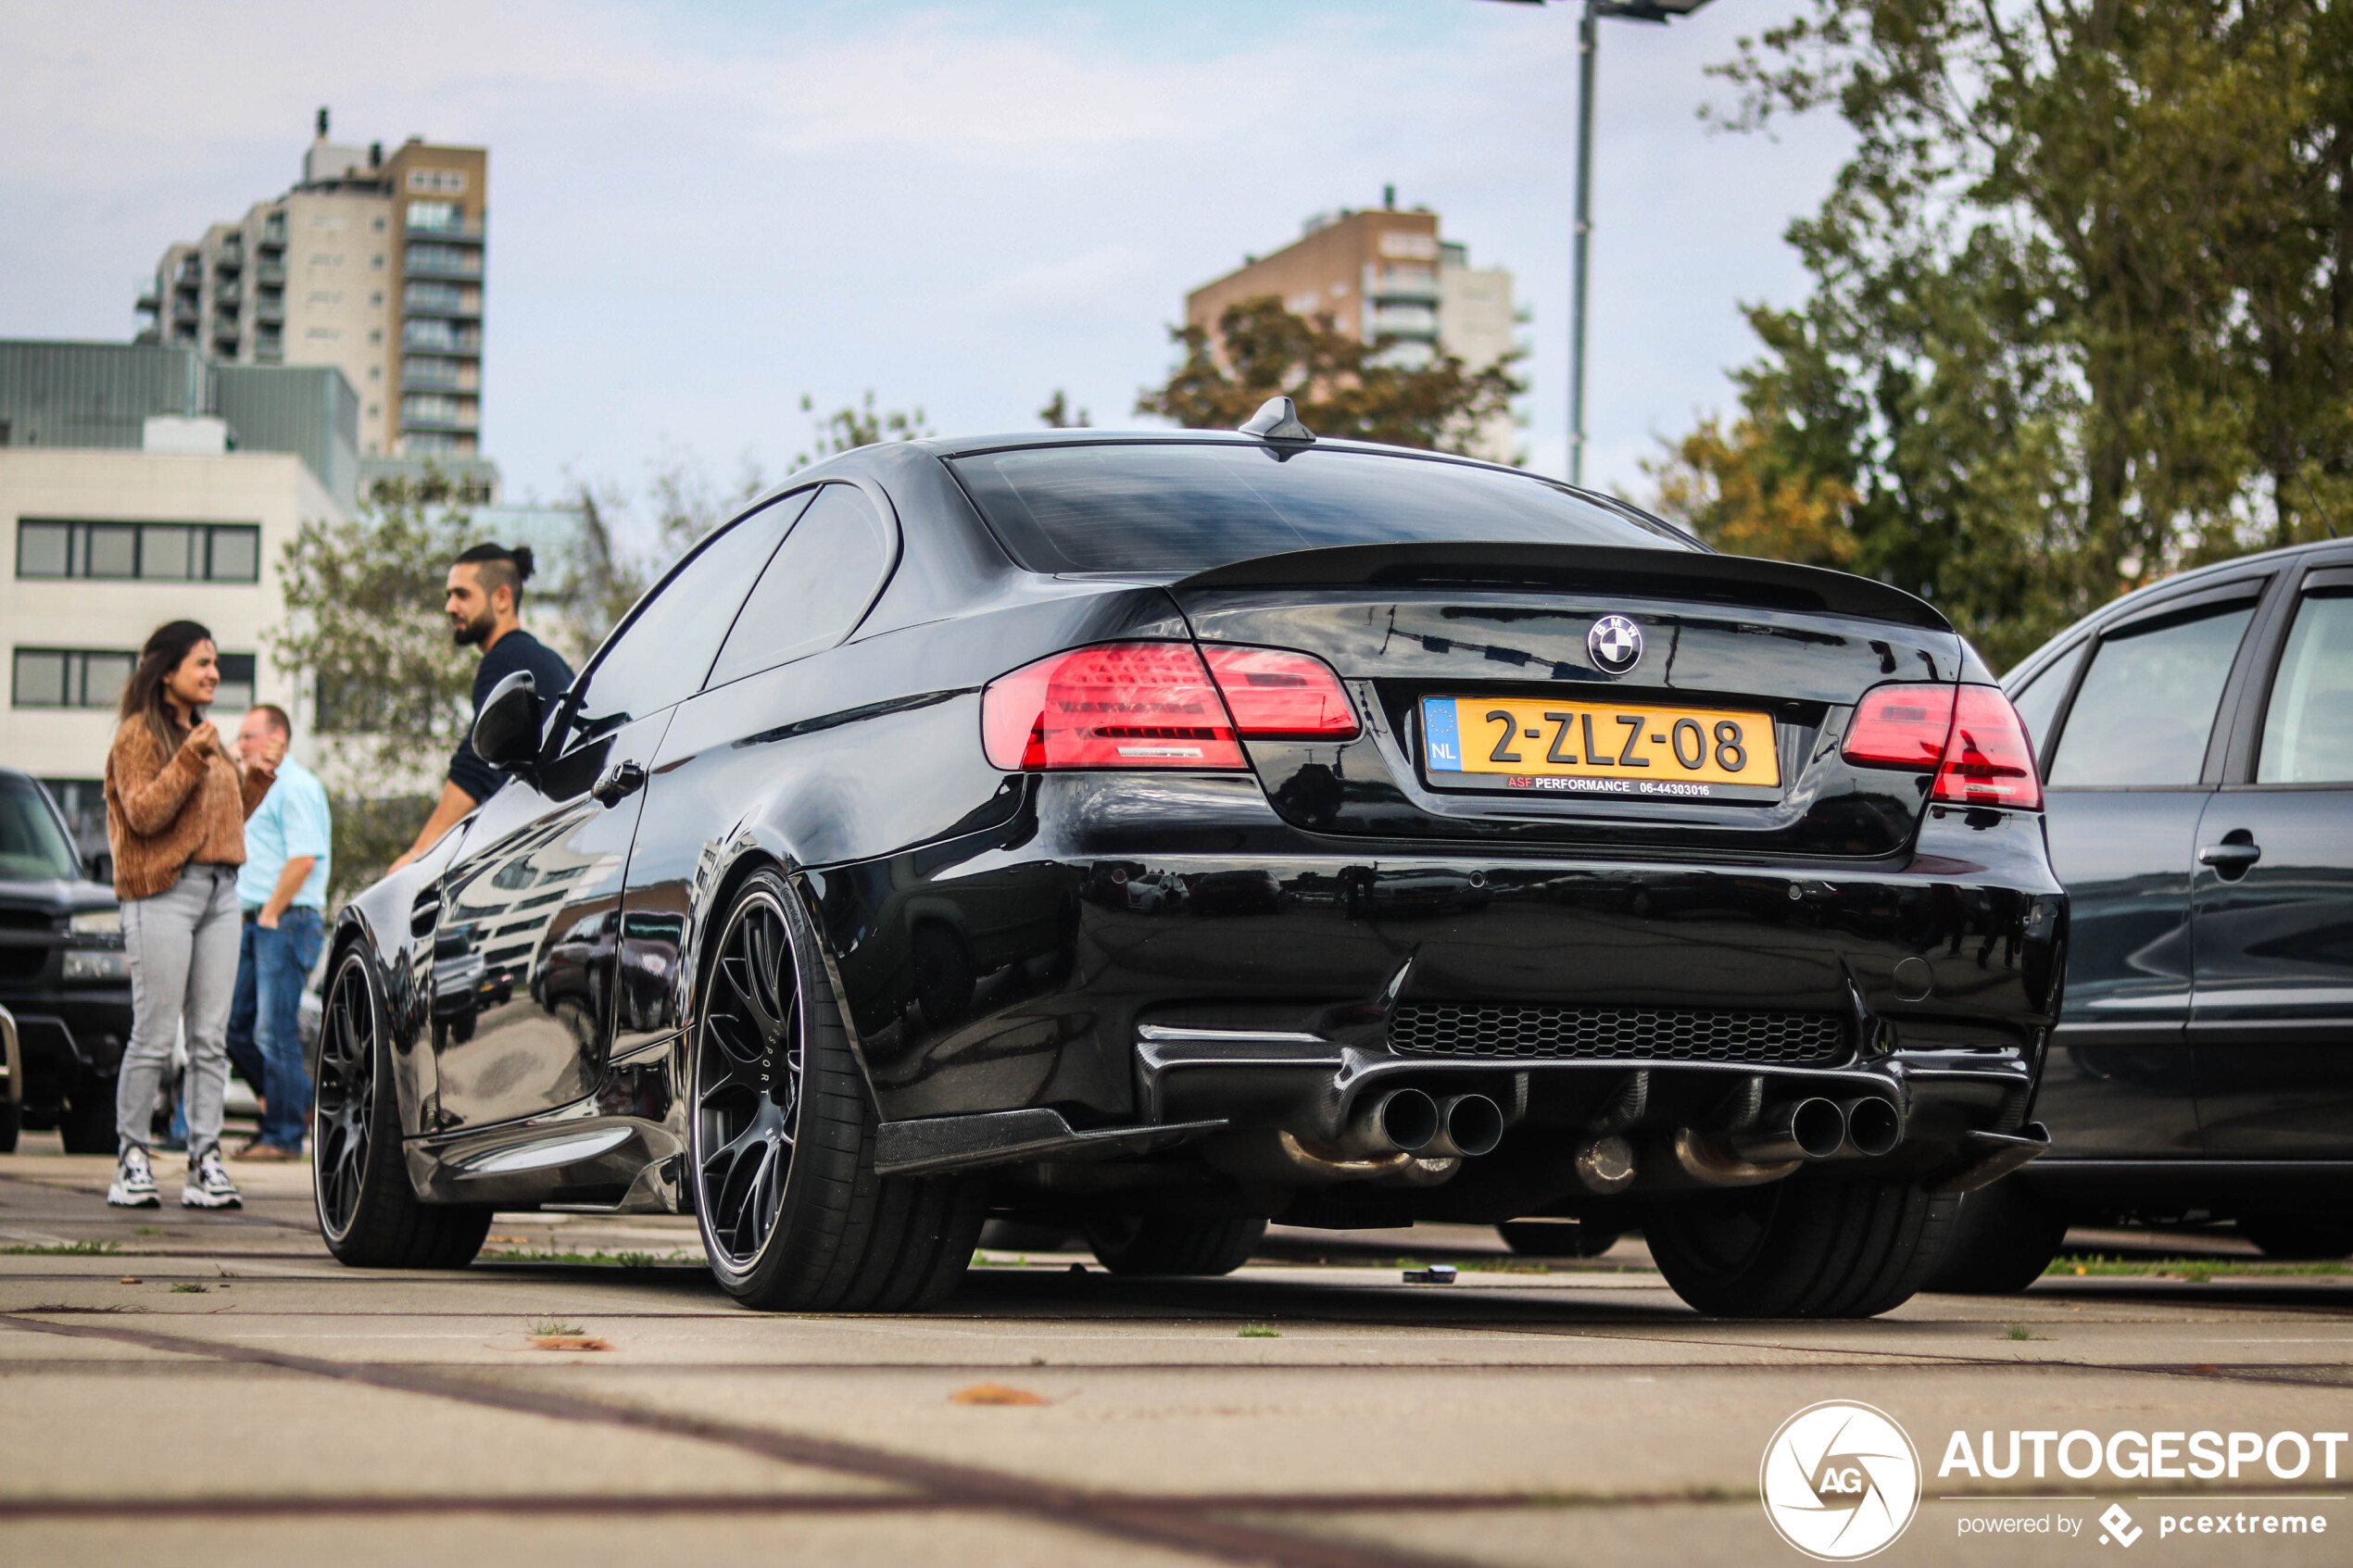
(176, 810)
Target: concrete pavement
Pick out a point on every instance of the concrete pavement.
(174, 1384)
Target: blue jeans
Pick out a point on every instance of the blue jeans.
(265, 1017)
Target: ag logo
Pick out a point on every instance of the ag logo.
(1839, 1481)
(1615, 643)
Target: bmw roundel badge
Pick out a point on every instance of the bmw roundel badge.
(1616, 645)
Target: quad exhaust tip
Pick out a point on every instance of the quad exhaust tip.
(1873, 1125)
(1798, 1129)
(1409, 1121)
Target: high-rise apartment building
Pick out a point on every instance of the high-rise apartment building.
(1382, 271)
(373, 263)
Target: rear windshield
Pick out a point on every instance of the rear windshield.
(1178, 507)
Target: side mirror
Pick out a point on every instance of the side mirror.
(506, 732)
(98, 866)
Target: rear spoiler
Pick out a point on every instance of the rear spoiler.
(1615, 570)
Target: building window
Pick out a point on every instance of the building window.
(70, 677)
(236, 683)
(154, 552)
(377, 297)
(437, 181)
(430, 217)
(378, 225)
(377, 261)
(433, 296)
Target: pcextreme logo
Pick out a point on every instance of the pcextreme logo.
(1839, 1481)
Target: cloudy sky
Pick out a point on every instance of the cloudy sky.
(701, 211)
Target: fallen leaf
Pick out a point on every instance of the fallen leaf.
(995, 1394)
(570, 1342)
(130, 1279)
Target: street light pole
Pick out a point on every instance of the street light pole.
(1589, 43)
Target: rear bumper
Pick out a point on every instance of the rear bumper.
(1138, 953)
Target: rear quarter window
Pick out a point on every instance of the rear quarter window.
(1179, 507)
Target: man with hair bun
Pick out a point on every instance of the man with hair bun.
(484, 603)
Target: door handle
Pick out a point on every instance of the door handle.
(618, 782)
(2232, 858)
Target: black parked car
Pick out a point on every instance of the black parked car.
(2197, 741)
(62, 974)
(1159, 833)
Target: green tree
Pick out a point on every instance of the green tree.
(1059, 415)
(365, 635)
(1343, 386)
(2082, 302)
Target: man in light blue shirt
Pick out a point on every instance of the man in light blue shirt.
(284, 888)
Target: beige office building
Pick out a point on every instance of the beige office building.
(140, 485)
(1378, 272)
(373, 263)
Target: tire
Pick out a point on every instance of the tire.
(1161, 1244)
(11, 1124)
(86, 1125)
(781, 1137)
(1814, 1245)
(2003, 1239)
(1540, 1239)
(2302, 1237)
(368, 1213)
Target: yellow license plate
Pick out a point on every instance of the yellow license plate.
(1633, 746)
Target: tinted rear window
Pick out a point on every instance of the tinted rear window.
(1184, 509)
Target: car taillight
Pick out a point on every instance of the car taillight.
(1989, 761)
(1901, 727)
(1272, 692)
(1121, 705)
(1970, 735)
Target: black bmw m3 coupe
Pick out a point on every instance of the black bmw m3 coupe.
(1160, 834)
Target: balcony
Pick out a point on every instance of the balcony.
(228, 296)
(184, 312)
(454, 310)
(437, 336)
(269, 307)
(434, 376)
(439, 414)
(271, 272)
(456, 229)
(442, 261)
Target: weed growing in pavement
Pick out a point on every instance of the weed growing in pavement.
(544, 1328)
(149, 1230)
(1257, 1330)
(2196, 1271)
(58, 1249)
(610, 1260)
(2020, 1330)
(190, 1289)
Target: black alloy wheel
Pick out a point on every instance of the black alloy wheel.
(369, 1213)
(781, 1143)
(747, 1076)
(87, 1125)
(1814, 1245)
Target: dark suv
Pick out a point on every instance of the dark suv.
(62, 974)
(2197, 743)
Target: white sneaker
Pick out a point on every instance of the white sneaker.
(134, 1182)
(208, 1185)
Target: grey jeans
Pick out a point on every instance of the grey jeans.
(183, 947)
